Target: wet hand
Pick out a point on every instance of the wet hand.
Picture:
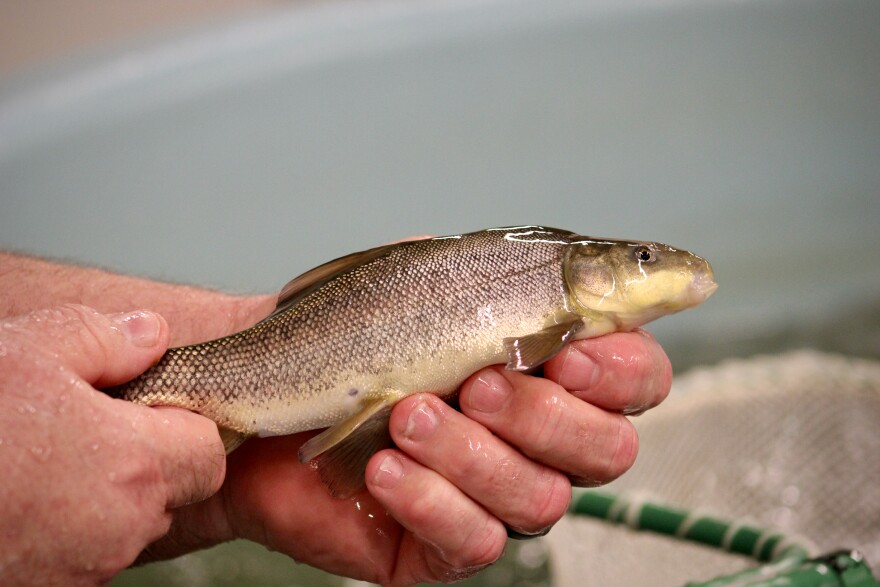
(460, 480)
(88, 481)
(438, 507)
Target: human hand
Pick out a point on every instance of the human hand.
(443, 519)
(437, 507)
(88, 481)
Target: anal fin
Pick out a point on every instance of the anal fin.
(232, 439)
(344, 450)
(530, 351)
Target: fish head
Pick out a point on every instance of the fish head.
(629, 283)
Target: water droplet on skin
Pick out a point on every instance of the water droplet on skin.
(42, 454)
(27, 408)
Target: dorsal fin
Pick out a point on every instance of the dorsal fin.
(301, 286)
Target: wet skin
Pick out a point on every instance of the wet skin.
(435, 508)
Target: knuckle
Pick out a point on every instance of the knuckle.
(623, 454)
(76, 317)
(423, 510)
(611, 454)
(557, 495)
(482, 547)
(94, 334)
(504, 472)
(547, 502)
(142, 477)
(551, 426)
(82, 328)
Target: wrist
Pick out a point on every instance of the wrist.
(193, 527)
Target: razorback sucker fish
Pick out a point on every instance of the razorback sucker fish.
(352, 337)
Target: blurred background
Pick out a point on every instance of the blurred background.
(237, 144)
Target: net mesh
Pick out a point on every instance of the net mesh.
(790, 442)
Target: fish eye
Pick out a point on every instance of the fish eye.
(645, 255)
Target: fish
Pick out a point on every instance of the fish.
(352, 337)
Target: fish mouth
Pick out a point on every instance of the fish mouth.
(701, 286)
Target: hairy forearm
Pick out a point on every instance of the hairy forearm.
(194, 314)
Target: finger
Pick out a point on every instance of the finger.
(625, 372)
(175, 454)
(591, 445)
(527, 496)
(190, 455)
(176, 448)
(102, 349)
(452, 536)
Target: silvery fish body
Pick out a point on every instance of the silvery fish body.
(354, 336)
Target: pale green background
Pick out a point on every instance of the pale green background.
(240, 155)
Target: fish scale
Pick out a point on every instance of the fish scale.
(351, 337)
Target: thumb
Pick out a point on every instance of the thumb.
(103, 349)
(109, 349)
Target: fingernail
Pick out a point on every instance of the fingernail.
(389, 473)
(421, 423)
(489, 393)
(141, 328)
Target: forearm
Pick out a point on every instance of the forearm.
(194, 314)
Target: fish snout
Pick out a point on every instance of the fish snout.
(702, 285)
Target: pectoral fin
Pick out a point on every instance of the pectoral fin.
(343, 450)
(528, 352)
